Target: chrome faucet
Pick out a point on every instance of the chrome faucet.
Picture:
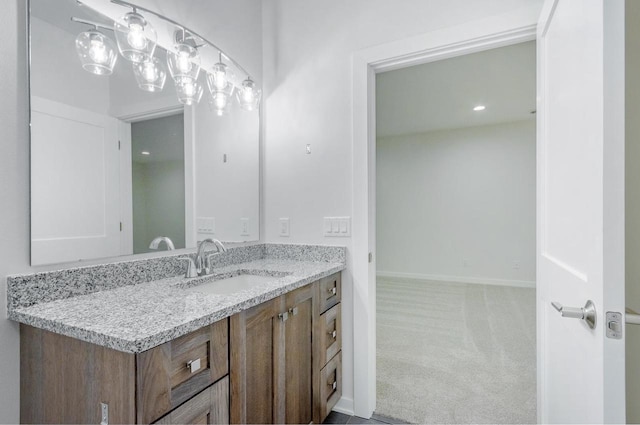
(155, 244)
(203, 262)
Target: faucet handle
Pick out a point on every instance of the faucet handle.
(191, 267)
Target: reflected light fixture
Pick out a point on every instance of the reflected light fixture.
(145, 153)
(189, 91)
(150, 75)
(479, 108)
(97, 52)
(249, 95)
(136, 37)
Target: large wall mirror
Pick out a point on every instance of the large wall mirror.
(131, 145)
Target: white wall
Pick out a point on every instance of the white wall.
(308, 50)
(234, 24)
(458, 204)
(632, 201)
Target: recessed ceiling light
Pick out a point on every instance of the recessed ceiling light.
(479, 108)
(145, 153)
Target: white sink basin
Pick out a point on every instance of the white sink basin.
(231, 285)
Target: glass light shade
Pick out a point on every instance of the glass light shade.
(219, 77)
(97, 52)
(150, 75)
(136, 37)
(249, 95)
(189, 91)
(220, 100)
(184, 63)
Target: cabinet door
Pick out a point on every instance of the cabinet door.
(298, 356)
(257, 359)
(211, 406)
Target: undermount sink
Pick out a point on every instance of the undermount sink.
(232, 284)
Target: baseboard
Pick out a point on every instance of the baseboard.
(459, 279)
(344, 405)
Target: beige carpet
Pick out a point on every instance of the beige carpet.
(455, 353)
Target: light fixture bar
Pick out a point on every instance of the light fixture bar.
(193, 33)
(92, 23)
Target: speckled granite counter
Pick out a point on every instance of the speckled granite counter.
(135, 318)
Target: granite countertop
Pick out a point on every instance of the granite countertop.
(138, 317)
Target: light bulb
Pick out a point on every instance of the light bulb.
(220, 101)
(98, 52)
(136, 37)
(149, 72)
(247, 94)
(189, 89)
(183, 63)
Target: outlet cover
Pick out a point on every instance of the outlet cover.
(339, 227)
(244, 226)
(206, 225)
(284, 227)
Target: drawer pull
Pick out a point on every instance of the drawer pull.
(333, 291)
(334, 334)
(193, 365)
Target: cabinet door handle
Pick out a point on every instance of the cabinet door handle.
(333, 334)
(333, 384)
(293, 311)
(333, 291)
(283, 316)
(193, 365)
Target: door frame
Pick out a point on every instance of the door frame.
(502, 30)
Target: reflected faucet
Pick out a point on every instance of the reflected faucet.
(156, 243)
(203, 262)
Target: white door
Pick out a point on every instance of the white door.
(75, 201)
(580, 208)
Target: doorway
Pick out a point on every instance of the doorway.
(455, 214)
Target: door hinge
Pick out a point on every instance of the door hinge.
(614, 325)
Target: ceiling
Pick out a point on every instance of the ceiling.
(441, 95)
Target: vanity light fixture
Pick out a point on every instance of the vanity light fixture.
(249, 95)
(96, 51)
(220, 100)
(189, 91)
(145, 153)
(136, 37)
(479, 108)
(184, 62)
(220, 77)
(150, 75)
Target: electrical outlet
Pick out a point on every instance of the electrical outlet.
(284, 227)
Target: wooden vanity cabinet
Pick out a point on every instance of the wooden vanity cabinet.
(280, 372)
(65, 380)
(271, 360)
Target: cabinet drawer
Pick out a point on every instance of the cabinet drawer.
(330, 338)
(330, 292)
(211, 406)
(170, 374)
(330, 385)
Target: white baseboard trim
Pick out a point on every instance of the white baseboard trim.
(459, 279)
(344, 405)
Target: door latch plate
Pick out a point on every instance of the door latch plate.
(614, 325)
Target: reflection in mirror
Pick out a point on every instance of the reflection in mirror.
(122, 158)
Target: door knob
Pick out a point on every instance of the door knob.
(586, 313)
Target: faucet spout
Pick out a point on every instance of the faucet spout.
(203, 264)
(155, 244)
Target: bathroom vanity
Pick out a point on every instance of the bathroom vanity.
(166, 352)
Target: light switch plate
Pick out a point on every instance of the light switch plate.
(337, 227)
(284, 227)
(206, 225)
